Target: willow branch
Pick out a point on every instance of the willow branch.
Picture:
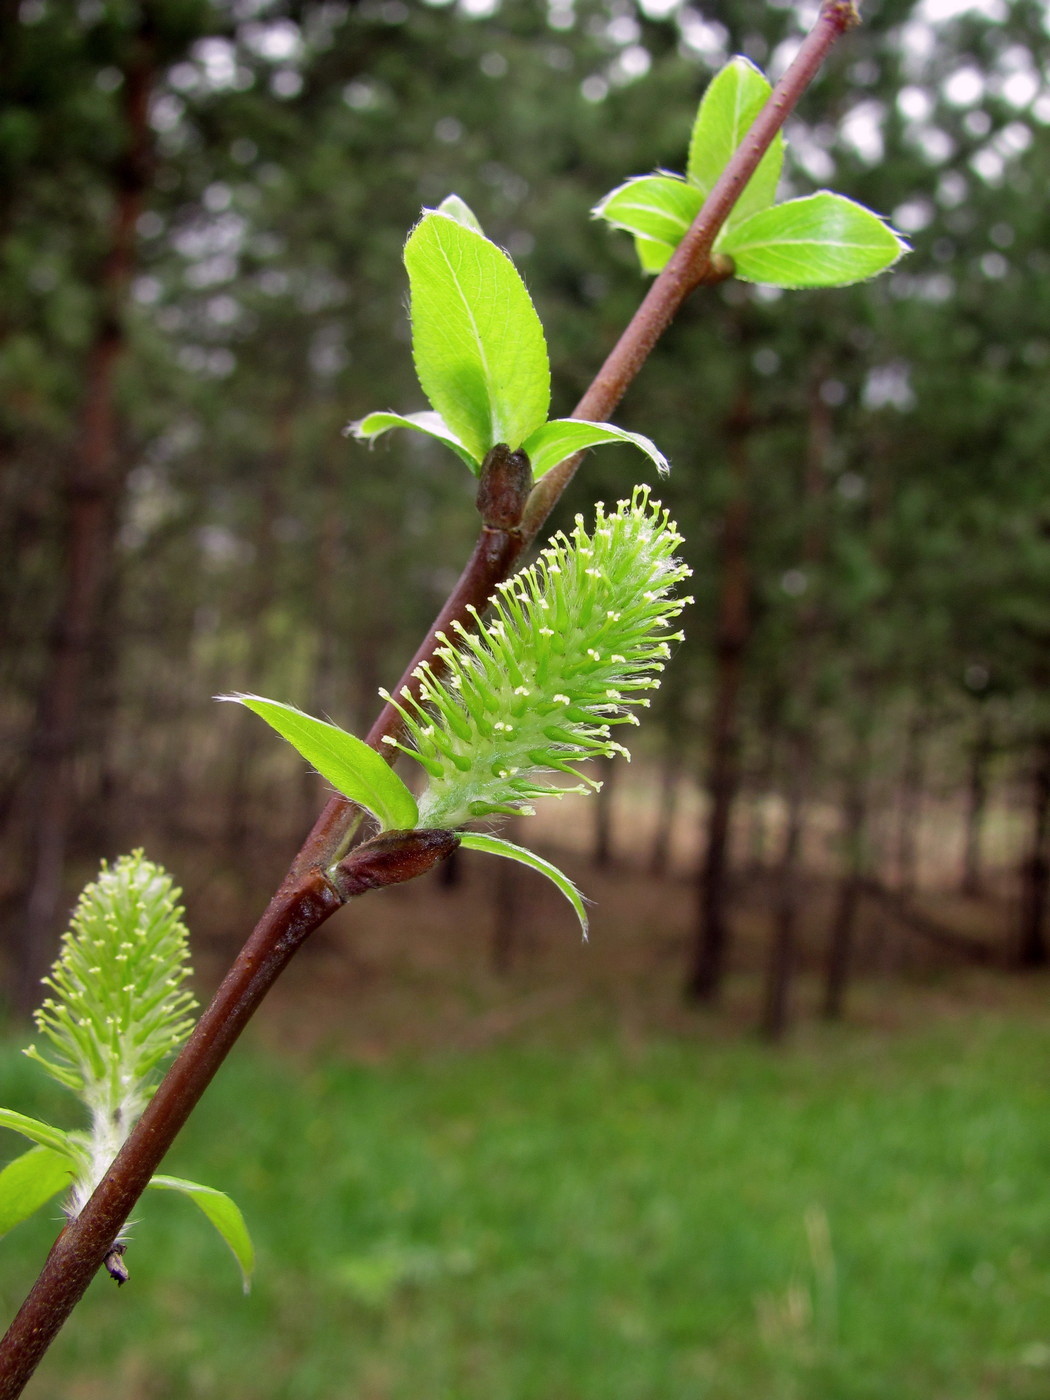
(313, 889)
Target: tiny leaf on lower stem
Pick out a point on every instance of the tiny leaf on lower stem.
(223, 1213)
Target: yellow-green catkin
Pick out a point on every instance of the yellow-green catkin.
(572, 647)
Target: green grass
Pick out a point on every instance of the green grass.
(866, 1218)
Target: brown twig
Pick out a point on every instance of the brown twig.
(312, 890)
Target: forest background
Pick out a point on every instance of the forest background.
(848, 768)
(203, 208)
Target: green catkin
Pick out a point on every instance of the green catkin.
(573, 645)
(118, 1006)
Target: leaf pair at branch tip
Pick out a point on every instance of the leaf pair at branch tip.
(821, 240)
(480, 353)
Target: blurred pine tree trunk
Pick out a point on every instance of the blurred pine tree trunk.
(981, 751)
(780, 967)
(672, 771)
(763, 776)
(851, 881)
(801, 735)
(711, 941)
(1035, 874)
(262, 594)
(909, 811)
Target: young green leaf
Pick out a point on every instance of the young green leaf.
(35, 1131)
(657, 208)
(476, 338)
(653, 256)
(496, 846)
(428, 422)
(348, 763)
(823, 240)
(223, 1213)
(29, 1182)
(733, 100)
(479, 348)
(561, 437)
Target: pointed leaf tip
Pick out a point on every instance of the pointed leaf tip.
(431, 424)
(659, 208)
(455, 207)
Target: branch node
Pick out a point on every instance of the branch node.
(844, 13)
(391, 859)
(506, 480)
